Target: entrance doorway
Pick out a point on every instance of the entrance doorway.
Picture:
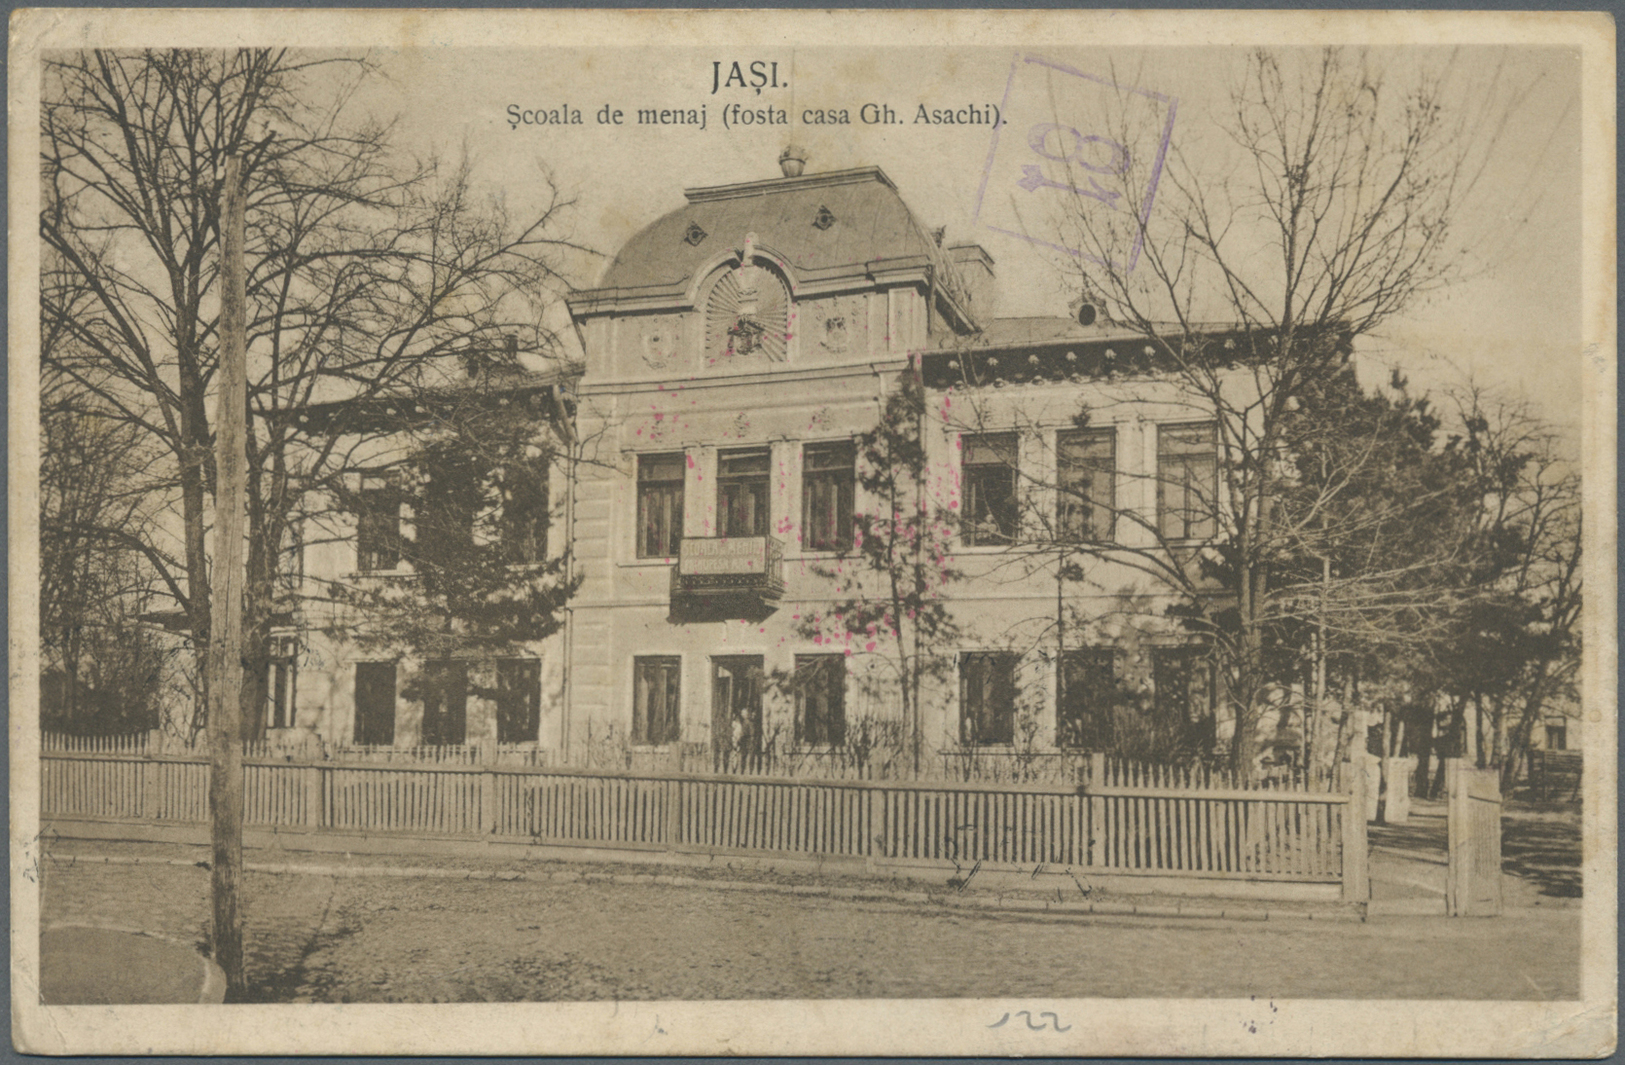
(736, 709)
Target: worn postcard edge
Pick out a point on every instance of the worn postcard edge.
(869, 1027)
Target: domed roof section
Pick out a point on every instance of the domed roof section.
(817, 222)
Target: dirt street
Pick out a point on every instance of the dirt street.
(328, 938)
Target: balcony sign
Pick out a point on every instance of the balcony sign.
(728, 576)
(732, 554)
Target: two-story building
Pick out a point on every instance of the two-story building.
(736, 348)
(735, 352)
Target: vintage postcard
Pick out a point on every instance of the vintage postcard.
(860, 533)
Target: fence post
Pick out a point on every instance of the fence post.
(488, 801)
(674, 813)
(313, 796)
(875, 846)
(150, 773)
(1356, 879)
(1095, 808)
(1455, 821)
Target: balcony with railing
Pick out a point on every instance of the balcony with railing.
(727, 577)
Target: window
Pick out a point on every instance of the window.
(1187, 481)
(987, 698)
(1086, 693)
(374, 703)
(522, 513)
(282, 682)
(656, 705)
(443, 521)
(1086, 482)
(827, 479)
(660, 505)
(990, 489)
(519, 699)
(445, 703)
(736, 705)
(291, 558)
(1557, 736)
(743, 480)
(820, 689)
(1182, 680)
(378, 528)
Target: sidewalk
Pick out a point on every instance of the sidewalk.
(1540, 860)
(1085, 901)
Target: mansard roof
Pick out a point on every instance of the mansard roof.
(843, 221)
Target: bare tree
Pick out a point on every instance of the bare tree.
(104, 671)
(1332, 208)
(892, 584)
(366, 268)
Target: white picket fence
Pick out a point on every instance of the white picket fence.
(1113, 823)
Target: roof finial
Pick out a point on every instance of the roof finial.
(793, 160)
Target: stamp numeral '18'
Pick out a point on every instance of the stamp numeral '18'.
(1078, 144)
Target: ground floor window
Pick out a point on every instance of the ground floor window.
(1086, 698)
(519, 700)
(1182, 680)
(282, 683)
(987, 697)
(820, 690)
(374, 703)
(445, 703)
(656, 702)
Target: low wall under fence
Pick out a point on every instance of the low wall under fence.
(1185, 834)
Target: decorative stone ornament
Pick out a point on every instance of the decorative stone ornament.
(695, 234)
(747, 313)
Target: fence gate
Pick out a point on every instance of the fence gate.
(1473, 881)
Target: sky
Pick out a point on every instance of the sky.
(1512, 322)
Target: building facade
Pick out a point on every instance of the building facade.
(737, 350)
(714, 474)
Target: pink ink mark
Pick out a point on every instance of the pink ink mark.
(690, 461)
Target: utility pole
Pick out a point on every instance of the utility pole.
(225, 659)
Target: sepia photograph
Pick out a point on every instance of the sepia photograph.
(997, 533)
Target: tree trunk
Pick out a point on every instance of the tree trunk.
(225, 646)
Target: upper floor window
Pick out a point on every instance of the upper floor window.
(378, 531)
(660, 505)
(1187, 481)
(1086, 483)
(521, 515)
(987, 697)
(989, 462)
(443, 517)
(827, 478)
(744, 479)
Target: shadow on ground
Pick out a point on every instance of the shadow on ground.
(1545, 851)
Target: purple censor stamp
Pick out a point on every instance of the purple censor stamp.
(1074, 164)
